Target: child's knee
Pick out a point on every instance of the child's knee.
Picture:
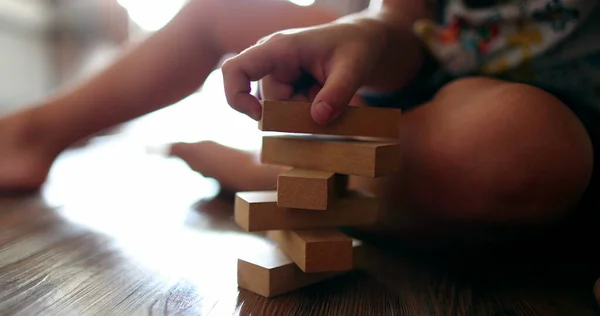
(495, 151)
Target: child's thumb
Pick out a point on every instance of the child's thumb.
(339, 88)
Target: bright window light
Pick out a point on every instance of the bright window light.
(304, 3)
(152, 15)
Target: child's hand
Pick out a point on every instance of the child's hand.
(325, 64)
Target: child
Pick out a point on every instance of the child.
(516, 148)
(500, 97)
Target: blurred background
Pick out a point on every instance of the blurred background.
(46, 44)
(113, 184)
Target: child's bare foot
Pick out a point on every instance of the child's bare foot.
(25, 159)
(236, 170)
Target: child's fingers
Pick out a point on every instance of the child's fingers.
(238, 73)
(238, 88)
(254, 64)
(340, 86)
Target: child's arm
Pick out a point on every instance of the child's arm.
(170, 64)
(163, 69)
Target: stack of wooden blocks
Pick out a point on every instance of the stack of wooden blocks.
(312, 199)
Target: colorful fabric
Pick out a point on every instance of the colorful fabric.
(502, 35)
(551, 44)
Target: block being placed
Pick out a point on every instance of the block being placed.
(271, 273)
(308, 189)
(295, 117)
(316, 250)
(343, 156)
(258, 211)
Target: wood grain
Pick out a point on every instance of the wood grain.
(316, 250)
(294, 117)
(309, 189)
(258, 211)
(271, 272)
(91, 245)
(343, 156)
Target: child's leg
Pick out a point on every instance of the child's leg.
(483, 151)
(162, 70)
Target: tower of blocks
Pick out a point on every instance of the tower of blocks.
(302, 216)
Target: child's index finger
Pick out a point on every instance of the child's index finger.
(238, 73)
(237, 90)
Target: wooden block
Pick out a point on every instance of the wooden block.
(317, 250)
(258, 211)
(271, 273)
(343, 156)
(294, 117)
(309, 189)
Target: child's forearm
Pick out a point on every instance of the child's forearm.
(402, 57)
(161, 70)
(169, 65)
(176, 60)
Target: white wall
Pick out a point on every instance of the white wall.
(25, 54)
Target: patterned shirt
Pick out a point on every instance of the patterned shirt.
(493, 36)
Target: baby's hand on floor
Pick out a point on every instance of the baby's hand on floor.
(325, 65)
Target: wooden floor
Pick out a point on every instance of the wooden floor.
(126, 233)
(120, 231)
